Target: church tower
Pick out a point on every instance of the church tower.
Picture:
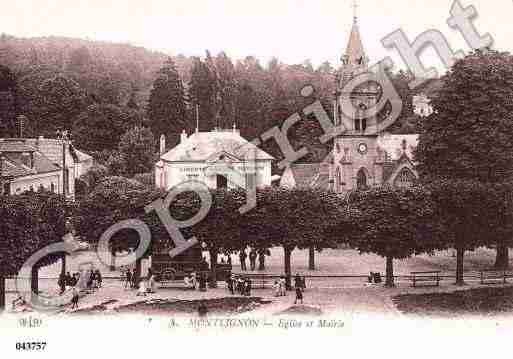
(357, 158)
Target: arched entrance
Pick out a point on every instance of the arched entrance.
(361, 180)
(222, 182)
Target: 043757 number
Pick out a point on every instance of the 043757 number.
(31, 346)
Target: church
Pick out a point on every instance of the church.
(360, 158)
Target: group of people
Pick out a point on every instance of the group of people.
(239, 284)
(280, 287)
(192, 281)
(143, 285)
(90, 279)
(252, 259)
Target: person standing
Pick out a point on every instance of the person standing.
(135, 280)
(99, 278)
(242, 258)
(62, 282)
(128, 279)
(68, 280)
(252, 259)
(299, 295)
(74, 298)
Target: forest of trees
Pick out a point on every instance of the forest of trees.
(101, 90)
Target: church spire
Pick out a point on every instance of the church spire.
(355, 54)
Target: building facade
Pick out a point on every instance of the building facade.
(40, 163)
(214, 158)
(362, 158)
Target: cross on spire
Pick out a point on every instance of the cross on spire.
(355, 10)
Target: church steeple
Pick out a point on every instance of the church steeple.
(355, 54)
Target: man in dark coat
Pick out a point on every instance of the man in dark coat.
(128, 279)
(242, 257)
(252, 259)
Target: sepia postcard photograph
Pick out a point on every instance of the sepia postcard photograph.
(256, 179)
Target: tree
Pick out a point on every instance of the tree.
(61, 101)
(393, 223)
(101, 126)
(166, 106)
(8, 94)
(113, 200)
(290, 218)
(136, 152)
(469, 136)
(202, 94)
(467, 211)
(30, 222)
(220, 230)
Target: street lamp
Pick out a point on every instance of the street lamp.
(64, 136)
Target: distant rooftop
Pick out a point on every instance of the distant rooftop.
(200, 146)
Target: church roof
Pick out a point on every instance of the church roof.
(201, 146)
(393, 145)
(354, 51)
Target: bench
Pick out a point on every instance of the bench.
(493, 276)
(429, 278)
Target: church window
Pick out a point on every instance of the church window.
(405, 178)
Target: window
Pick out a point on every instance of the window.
(361, 180)
(52, 187)
(405, 178)
(338, 179)
(7, 188)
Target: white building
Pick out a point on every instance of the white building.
(214, 158)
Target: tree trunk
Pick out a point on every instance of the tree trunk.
(502, 258)
(213, 268)
(63, 268)
(460, 252)
(288, 271)
(261, 261)
(389, 281)
(2, 293)
(311, 258)
(137, 272)
(34, 282)
(112, 266)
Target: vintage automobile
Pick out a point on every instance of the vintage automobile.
(169, 269)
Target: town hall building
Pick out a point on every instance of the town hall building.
(214, 158)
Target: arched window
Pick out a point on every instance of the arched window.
(361, 180)
(405, 178)
(338, 179)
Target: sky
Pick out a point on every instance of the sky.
(292, 30)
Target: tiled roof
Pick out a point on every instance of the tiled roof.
(8, 145)
(393, 145)
(13, 169)
(81, 156)
(305, 173)
(52, 149)
(12, 165)
(43, 165)
(201, 146)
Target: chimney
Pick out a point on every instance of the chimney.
(162, 144)
(183, 136)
